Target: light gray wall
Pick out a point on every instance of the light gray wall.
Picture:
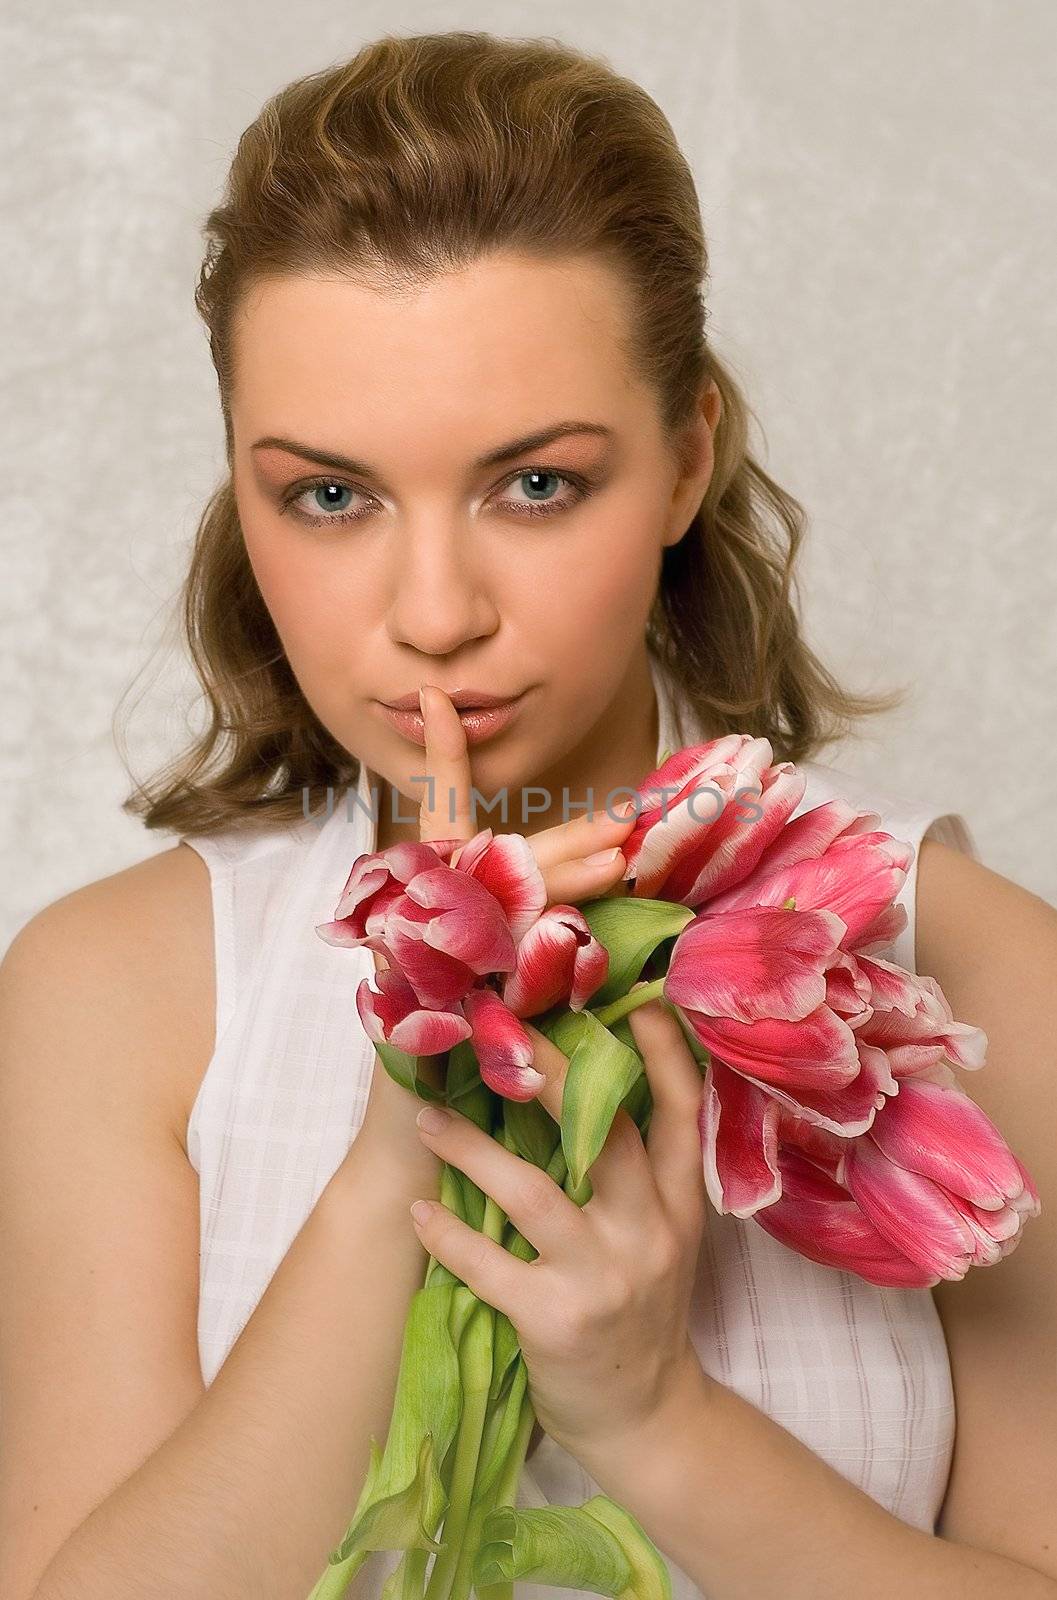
(877, 184)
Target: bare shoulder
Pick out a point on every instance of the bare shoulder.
(105, 1018)
(991, 945)
(141, 941)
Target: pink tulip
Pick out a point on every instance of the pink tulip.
(559, 961)
(505, 864)
(502, 1046)
(755, 988)
(741, 1121)
(931, 1190)
(445, 913)
(705, 817)
(820, 1220)
(857, 874)
(912, 1021)
(935, 1176)
(394, 1014)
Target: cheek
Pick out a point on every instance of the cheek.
(297, 584)
(598, 596)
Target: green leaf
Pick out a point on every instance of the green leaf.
(601, 1071)
(531, 1131)
(403, 1069)
(506, 1351)
(558, 1545)
(462, 1196)
(650, 1577)
(466, 1091)
(631, 930)
(493, 1462)
(398, 1519)
(403, 1498)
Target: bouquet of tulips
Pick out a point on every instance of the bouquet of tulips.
(830, 1111)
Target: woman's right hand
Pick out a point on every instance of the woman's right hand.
(389, 1120)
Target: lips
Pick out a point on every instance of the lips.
(462, 699)
(479, 723)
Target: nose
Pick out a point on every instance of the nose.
(440, 600)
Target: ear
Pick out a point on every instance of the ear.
(697, 461)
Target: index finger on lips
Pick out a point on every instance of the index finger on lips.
(445, 812)
(673, 1139)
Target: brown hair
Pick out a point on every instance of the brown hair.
(416, 157)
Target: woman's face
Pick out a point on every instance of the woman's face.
(438, 550)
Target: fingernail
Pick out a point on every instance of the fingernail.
(602, 858)
(421, 1210)
(432, 1119)
(625, 808)
(422, 700)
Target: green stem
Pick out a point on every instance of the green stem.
(506, 1491)
(476, 1363)
(481, 1505)
(506, 1488)
(414, 1576)
(333, 1581)
(494, 1219)
(630, 1002)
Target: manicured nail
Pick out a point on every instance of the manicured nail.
(602, 858)
(421, 1210)
(432, 1118)
(625, 809)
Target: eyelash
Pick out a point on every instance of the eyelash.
(582, 486)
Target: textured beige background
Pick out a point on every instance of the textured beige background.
(878, 188)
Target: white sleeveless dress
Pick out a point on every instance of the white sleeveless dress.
(859, 1373)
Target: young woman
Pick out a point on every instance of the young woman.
(477, 440)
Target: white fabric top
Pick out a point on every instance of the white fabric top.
(859, 1373)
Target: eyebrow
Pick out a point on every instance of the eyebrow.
(492, 458)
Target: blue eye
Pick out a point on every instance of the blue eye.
(579, 487)
(534, 508)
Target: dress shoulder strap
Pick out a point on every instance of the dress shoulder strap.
(246, 869)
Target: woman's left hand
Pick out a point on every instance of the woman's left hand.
(602, 1312)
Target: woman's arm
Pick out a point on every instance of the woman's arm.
(120, 1476)
(992, 947)
(250, 1493)
(743, 1506)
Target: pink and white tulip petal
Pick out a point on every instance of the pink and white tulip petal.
(944, 1135)
(844, 1110)
(502, 1046)
(804, 837)
(917, 1215)
(819, 1220)
(392, 1014)
(463, 919)
(755, 964)
(706, 816)
(913, 1022)
(738, 1123)
(559, 961)
(856, 878)
(506, 865)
